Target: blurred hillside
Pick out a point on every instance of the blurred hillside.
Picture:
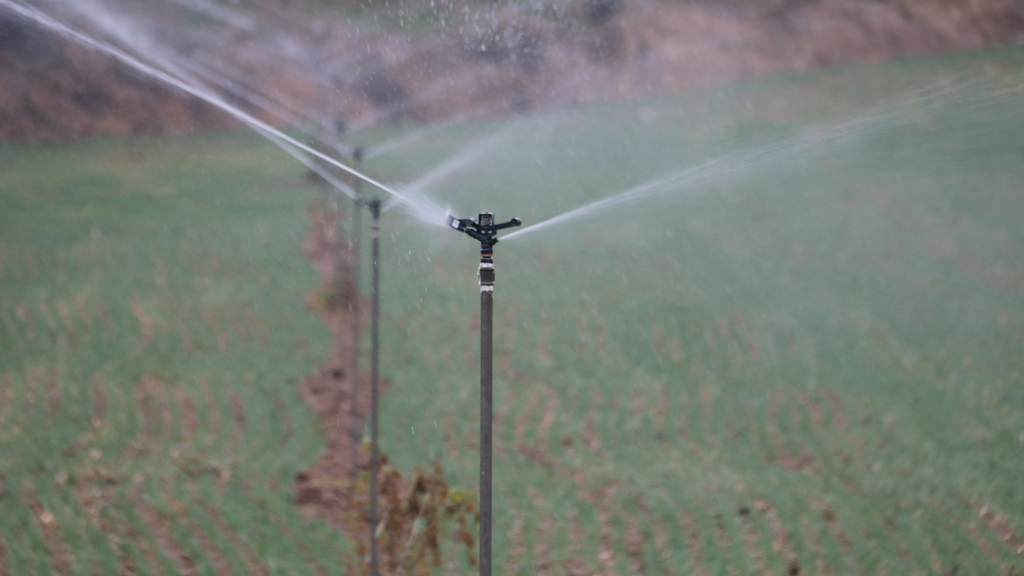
(364, 63)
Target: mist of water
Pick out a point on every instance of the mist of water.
(817, 140)
(221, 13)
(420, 206)
(468, 156)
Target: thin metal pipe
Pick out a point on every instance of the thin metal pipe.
(374, 362)
(357, 244)
(486, 420)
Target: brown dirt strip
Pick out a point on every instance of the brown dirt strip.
(574, 565)
(60, 555)
(606, 535)
(1003, 530)
(99, 403)
(751, 539)
(726, 540)
(695, 543)
(973, 531)
(152, 413)
(838, 533)
(543, 547)
(815, 547)
(252, 563)
(782, 455)
(213, 554)
(983, 545)
(287, 427)
(94, 494)
(644, 529)
(516, 548)
(782, 537)
(158, 523)
(633, 543)
(301, 544)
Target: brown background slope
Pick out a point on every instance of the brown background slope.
(505, 62)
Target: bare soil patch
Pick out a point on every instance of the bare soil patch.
(418, 515)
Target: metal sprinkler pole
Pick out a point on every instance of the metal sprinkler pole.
(485, 230)
(374, 373)
(357, 233)
(486, 412)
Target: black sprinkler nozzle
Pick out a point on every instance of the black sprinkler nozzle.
(483, 229)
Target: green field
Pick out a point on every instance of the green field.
(813, 364)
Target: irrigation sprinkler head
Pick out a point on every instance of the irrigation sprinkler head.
(483, 229)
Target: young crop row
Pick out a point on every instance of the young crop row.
(685, 473)
(151, 421)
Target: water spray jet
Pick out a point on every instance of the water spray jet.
(485, 230)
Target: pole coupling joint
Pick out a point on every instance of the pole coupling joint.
(485, 275)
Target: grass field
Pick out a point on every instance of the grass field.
(808, 365)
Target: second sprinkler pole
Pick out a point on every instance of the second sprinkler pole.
(374, 206)
(485, 230)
